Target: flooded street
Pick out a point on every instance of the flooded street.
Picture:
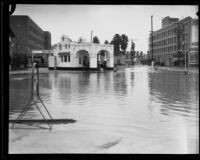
(135, 110)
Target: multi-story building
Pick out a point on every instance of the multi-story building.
(47, 40)
(172, 44)
(11, 36)
(28, 36)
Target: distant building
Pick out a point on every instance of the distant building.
(119, 59)
(28, 36)
(175, 41)
(81, 55)
(136, 58)
(129, 58)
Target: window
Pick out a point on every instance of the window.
(69, 45)
(66, 46)
(69, 58)
(61, 58)
(65, 57)
(60, 47)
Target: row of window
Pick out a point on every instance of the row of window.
(36, 40)
(66, 46)
(33, 47)
(172, 40)
(165, 42)
(169, 49)
(65, 58)
(17, 46)
(35, 31)
(169, 32)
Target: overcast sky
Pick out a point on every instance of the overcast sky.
(104, 20)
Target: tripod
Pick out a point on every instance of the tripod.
(35, 98)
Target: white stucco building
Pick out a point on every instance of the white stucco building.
(81, 55)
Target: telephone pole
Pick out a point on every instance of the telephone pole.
(179, 32)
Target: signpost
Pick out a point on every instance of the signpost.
(35, 97)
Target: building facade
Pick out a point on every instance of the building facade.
(119, 59)
(28, 36)
(11, 36)
(81, 55)
(172, 44)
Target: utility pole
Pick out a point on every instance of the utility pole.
(179, 48)
(152, 37)
(178, 40)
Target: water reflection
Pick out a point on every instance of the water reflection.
(135, 101)
(137, 90)
(171, 92)
(175, 93)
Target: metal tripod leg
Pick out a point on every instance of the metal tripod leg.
(23, 112)
(45, 109)
(40, 112)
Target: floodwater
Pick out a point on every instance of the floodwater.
(145, 110)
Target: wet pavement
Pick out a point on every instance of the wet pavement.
(135, 110)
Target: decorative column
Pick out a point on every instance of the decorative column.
(105, 58)
(93, 61)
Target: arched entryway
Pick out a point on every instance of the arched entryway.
(103, 59)
(83, 59)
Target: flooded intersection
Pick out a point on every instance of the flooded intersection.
(135, 110)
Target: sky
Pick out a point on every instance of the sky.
(104, 20)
